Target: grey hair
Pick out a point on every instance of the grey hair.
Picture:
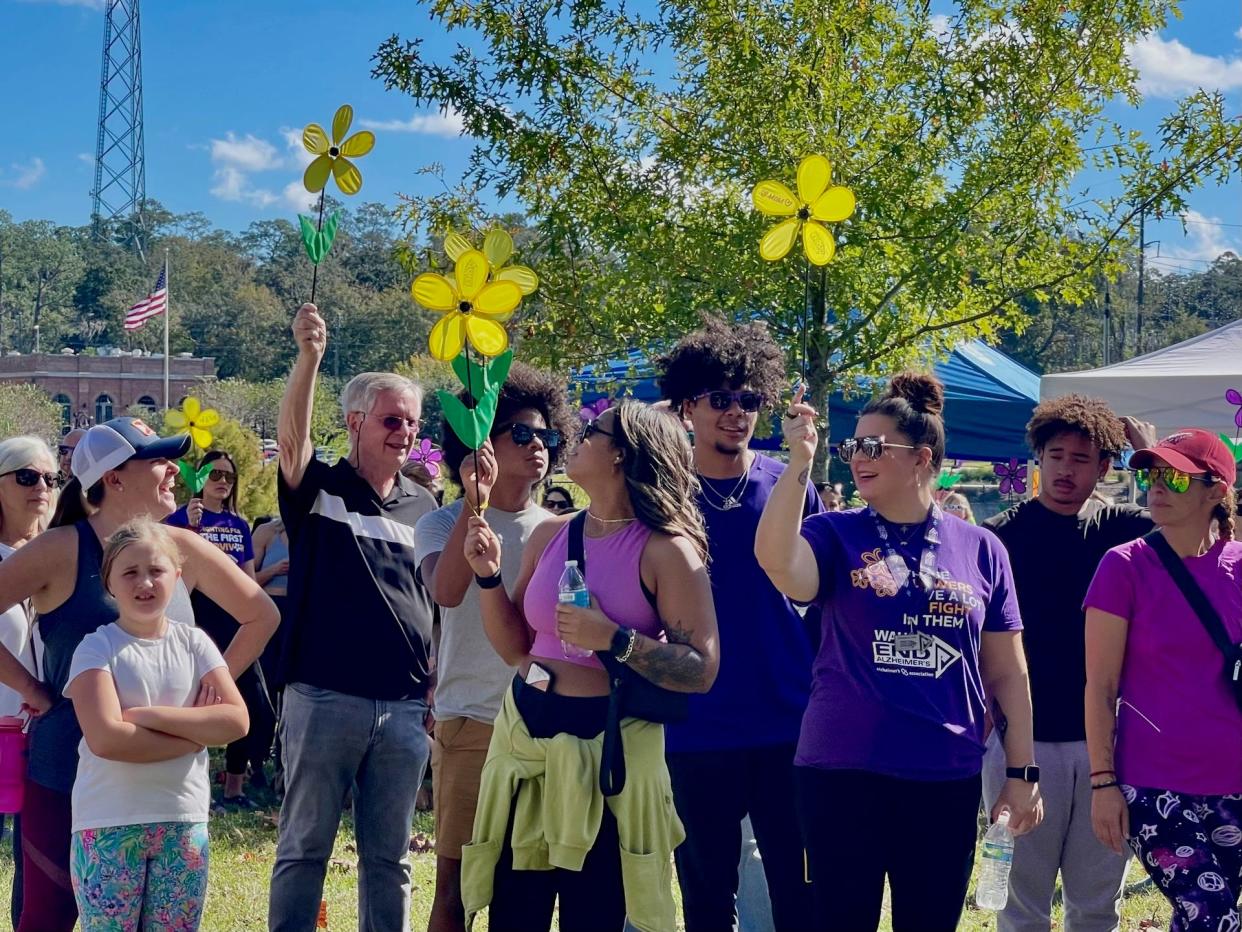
(359, 394)
(20, 452)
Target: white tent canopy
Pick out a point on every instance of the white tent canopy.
(1182, 385)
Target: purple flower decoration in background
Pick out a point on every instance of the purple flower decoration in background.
(1012, 477)
(1234, 397)
(429, 456)
(590, 412)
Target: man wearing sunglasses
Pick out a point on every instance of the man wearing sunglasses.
(356, 660)
(526, 442)
(733, 757)
(65, 450)
(1055, 542)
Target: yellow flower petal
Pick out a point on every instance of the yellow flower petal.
(358, 144)
(814, 173)
(202, 438)
(340, 123)
(191, 407)
(774, 199)
(455, 245)
(498, 247)
(317, 174)
(434, 292)
(209, 418)
(471, 272)
(348, 178)
(315, 139)
(498, 298)
(487, 336)
(448, 336)
(777, 242)
(175, 420)
(835, 204)
(817, 243)
(521, 276)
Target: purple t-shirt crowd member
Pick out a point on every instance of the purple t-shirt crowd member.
(896, 687)
(1178, 726)
(223, 528)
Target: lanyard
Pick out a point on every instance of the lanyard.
(897, 566)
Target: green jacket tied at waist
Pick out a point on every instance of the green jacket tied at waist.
(551, 787)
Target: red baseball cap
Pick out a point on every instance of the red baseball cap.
(1192, 451)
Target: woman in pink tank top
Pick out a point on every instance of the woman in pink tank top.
(644, 546)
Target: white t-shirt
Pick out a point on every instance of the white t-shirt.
(162, 671)
(471, 679)
(15, 635)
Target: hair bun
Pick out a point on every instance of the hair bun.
(924, 392)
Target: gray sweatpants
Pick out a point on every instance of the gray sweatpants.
(1091, 875)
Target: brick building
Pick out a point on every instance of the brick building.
(91, 389)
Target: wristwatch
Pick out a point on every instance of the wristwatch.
(1029, 773)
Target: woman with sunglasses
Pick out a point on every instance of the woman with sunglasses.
(920, 630)
(606, 858)
(558, 500)
(1163, 717)
(213, 516)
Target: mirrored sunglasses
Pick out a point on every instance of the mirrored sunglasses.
(871, 448)
(720, 400)
(1174, 479)
(29, 477)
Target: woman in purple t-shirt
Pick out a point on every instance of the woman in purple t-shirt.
(1164, 729)
(920, 629)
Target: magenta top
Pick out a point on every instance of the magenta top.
(613, 578)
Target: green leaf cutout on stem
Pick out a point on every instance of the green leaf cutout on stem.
(1234, 445)
(318, 242)
(479, 380)
(947, 480)
(194, 478)
(472, 425)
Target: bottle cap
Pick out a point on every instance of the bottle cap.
(573, 563)
(1003, 818)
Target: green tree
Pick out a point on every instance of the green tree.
(632, 136)
(26, 409)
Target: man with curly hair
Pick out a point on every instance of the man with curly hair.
(733, 756)
(527, 440)
(1055, 542)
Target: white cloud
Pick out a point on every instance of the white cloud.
(86, 158)
(296, 197)
(1205, 240)
(448, 124)
(1167, 68)
(233, 184)
(249, 153)
(25, 177)
(1238, 34)
(293, 144)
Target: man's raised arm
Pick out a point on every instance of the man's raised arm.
(293, 429)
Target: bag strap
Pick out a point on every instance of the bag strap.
(1194, 595)
(577, 551)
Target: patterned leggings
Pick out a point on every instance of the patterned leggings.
(149, 877)
(1191, 846)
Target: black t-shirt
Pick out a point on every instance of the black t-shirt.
(360, 618)
(1054, 558)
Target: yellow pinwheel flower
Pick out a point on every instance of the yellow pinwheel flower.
(473, 308)
(498, 247)
(815, 204)
(195, 419)
(333, 155)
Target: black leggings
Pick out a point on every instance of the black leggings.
(592, 899)
(859, 827)
(255, 746)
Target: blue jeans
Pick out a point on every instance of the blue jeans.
(332, 741)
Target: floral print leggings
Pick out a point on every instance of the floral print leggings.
(1191, 846)
(140, 877)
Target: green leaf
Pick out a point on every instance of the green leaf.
(478, 380)
(318, 242)
(1234, 445)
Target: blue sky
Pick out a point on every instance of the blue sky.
(229, 84)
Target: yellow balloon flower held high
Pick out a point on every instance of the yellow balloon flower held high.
(473, 308)
(195, 419)
(816, 203)
(333, 155)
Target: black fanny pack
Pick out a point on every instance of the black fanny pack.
(631, 695)
(1203, 608)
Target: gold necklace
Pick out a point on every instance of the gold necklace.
(592, 514)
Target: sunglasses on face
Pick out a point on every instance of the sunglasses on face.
(871, 448)
(64, 450)
(221, 475)
(29, 477)
(557, 504)
(720, 400)
(1174, 479)
(393, 422)
(523, 434)
(590, 428)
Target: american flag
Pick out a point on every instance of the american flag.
(153, 305)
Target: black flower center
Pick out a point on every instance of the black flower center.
(334, 151)
(465, 307)
(804, 213)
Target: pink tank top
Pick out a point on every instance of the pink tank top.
(613, 579)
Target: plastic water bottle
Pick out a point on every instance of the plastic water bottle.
(572, 590)
(993, 890)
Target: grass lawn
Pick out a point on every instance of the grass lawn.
(243, 847)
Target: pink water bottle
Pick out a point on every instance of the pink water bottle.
(12, 763)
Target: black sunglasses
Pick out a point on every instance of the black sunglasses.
(720, 400)
(222, 475)
(523, 434)
(870, 447)
(591, 427)
(30, 477)
(393, 422)
(64, 450)
(557, 503)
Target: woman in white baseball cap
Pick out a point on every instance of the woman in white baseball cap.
(122, 469)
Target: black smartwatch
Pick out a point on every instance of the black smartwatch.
(1029, 773)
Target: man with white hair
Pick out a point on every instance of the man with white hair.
(356, 658)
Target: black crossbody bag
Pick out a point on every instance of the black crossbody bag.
(1203, 608)
(631, 695)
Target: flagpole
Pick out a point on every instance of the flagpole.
(167, 314)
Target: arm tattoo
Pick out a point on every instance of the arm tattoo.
(676, 665)
(804, 475)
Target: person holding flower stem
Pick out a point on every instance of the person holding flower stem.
(920, 623)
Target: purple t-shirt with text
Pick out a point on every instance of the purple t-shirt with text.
(896, 687)
(1178, 726)
(226, 530)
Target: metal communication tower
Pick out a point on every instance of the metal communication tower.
(120, 174)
